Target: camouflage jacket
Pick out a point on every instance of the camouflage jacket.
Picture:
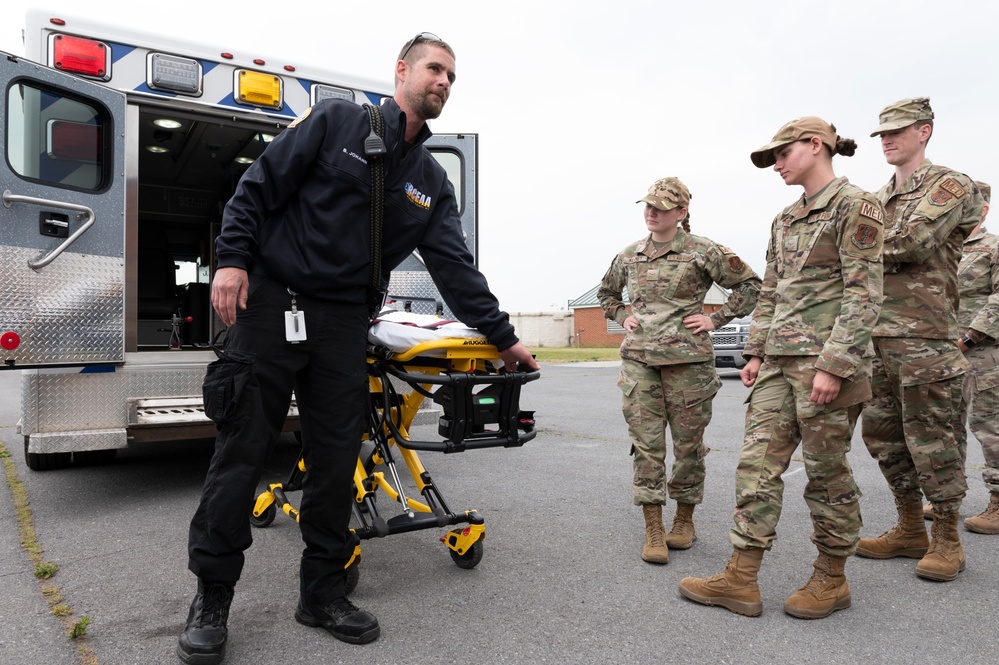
(927, 219)
(822, 288)
(668, 285)
(978, 279)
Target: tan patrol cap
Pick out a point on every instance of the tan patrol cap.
(666, 194)
(903, 113)
(796, 130)
(985, 189)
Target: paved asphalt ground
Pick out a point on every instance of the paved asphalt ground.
(561, 580)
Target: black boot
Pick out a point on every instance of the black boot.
(203, 640)
(342, 619)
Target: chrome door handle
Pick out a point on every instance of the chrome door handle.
(85, 214)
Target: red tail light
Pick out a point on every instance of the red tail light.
(81, 56)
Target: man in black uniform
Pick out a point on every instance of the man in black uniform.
(295, 244)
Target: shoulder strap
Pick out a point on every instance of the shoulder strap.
(374, 149)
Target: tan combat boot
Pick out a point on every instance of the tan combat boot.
(825, 592)
(655, 549)
(682, 534)
(986, 521)
(907, 538)
(735, 589)
(945, 557)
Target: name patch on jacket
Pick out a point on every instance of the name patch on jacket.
(417, 197)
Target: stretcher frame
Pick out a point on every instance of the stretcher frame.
(457, 366)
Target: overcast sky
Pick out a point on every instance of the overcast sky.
(580, 106)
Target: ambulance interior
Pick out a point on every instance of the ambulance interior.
(188, 169)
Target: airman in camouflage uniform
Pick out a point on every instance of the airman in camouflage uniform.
(807, 367)
(667, 370)
(978, 280)
(908, 425)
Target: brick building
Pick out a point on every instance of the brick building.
(590, 328)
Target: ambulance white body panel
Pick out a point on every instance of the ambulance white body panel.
(121, 150)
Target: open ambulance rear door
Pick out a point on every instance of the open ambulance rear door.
(62, 236)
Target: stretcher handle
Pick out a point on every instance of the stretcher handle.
(468, 444)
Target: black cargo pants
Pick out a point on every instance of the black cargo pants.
(249, 391)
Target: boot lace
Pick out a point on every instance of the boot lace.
(215, 602)
(818, 581)
(657, 536)
(679, 525)
(990, 509)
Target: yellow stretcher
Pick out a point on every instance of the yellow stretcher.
(480, 409)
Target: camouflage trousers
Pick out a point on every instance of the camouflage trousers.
(674, 396)
(909, 423)
(980, 404)
(780, 416)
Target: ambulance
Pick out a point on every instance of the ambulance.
(120, 151)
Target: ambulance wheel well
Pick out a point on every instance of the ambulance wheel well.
(45, 461)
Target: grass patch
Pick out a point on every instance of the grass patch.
(44, 570)
(79, 628)
(574, 355)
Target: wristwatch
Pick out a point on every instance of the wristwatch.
(967, 341)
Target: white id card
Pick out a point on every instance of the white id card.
(294, 326)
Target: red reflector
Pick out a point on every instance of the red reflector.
(258, 61)
(289, 68)
(76, 141)
(467, 530)
(227, 56)
(57, 21)
(10, 340)
(80, 56)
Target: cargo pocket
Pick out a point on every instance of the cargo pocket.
(694, 396)
(946, 463)
(842, 495)
(225, 380)
(987, 380)
(626, 384)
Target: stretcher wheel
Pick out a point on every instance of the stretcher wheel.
(265, 518)
(350, 581)
(469, 559)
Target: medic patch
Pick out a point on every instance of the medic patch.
(736, 264)
(305, 114)
(951, 186)
(871, 212)
(865, 237)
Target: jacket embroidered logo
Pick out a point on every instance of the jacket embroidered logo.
(417, 197)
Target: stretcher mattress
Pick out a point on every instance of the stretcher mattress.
(401, 331)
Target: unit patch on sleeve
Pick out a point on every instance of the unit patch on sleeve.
(865, 237)
(736, 264)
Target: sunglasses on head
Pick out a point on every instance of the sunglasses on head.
(422, 37)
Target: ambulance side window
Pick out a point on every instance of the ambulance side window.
(57, 139)
(451, 161)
